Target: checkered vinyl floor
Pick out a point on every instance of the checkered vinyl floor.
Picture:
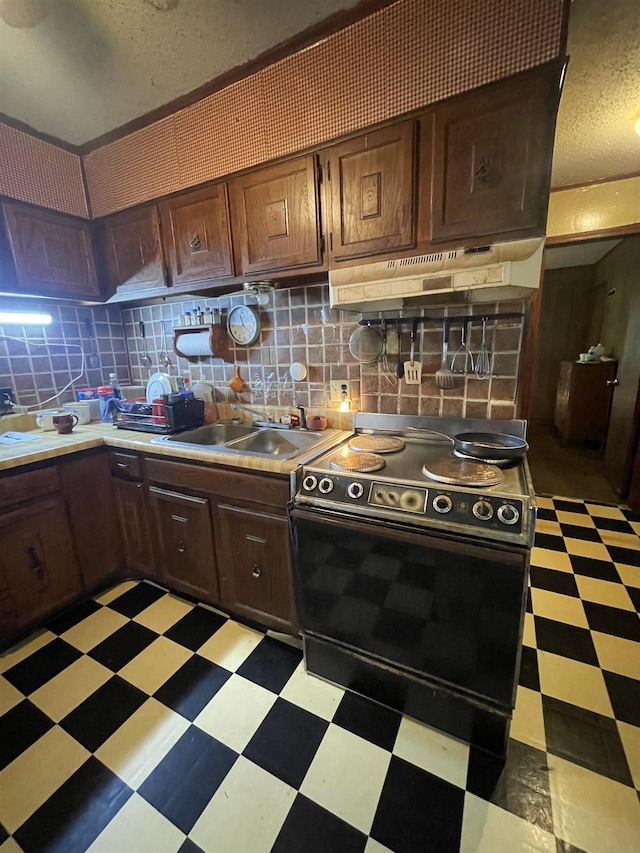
(141, 722)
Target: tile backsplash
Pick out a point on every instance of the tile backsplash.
(297, 326)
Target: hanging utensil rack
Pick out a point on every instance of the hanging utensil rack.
(453, 320)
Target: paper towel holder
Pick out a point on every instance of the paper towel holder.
(218, 341)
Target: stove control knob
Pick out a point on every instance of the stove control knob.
(442, 503)
(325, 485)
(392, 497)
(309, 483)
(355, 490)
(508, 514)
(483, 510)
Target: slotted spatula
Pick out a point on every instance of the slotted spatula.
(412, 368)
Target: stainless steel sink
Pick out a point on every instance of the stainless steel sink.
(210, 434)
(274, 442)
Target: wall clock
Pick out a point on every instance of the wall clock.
(243, 325)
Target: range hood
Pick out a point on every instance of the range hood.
(498, 272)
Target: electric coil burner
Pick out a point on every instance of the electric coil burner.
(409, 590)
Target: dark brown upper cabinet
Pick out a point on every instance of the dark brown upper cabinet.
(196, 235)
(370, 193)
(492, 158)
(276, 217)
(133, 250)
(52, 252)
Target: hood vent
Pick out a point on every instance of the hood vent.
(501, 271)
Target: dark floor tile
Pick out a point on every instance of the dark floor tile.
(192, 686)
(21, 727)
(529, 602)
(519, 785)
(187, 777)
(613, 524)
(73, 817)
(565, 847)
(188, 846)
(612, 620)
(136, 599)
(271, 664)
(570, 506)
(577, 531)
(418, 811)
(546, 514)
(123, 645)
(634, 595)
(566, 640)
(98, 717)
(368, 720)
(3, 834)
(589, 568)
(60, 624)
(562, 582)
(625, 697)
(42, 666)
(547, 540)
(585, 738)
(631, 514)
(311, 829)
(627, 556)
(195, 628)
(286, 742)
(529, 674)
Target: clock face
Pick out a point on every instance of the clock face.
(243, 325)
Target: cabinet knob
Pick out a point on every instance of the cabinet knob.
(195, 243)
(484, 169)
(182, 547)
(257, 571)
(612, 382)
(35, 563)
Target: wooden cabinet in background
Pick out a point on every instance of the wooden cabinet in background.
(184, 534)
(276, 217)
(196, 235)
(583, 400)
(132, 249)
(370, 193)
(52, 252)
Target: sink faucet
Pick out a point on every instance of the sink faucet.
(258, 416)
(303, 417)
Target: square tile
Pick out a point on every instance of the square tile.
(433, 751)
(549, 559)
(196, 627)
(600, 511)
(574, 682)
(200, 763)
(625, 697)
(94, 629)
(313, 829)
(612, 620)
(527, 724)
(549, 543)
(231, 645)
(60, 624)
(236, 712)
(311, 693)
(93, 795)
(630, 737)
(136, 599)
(550, 527)
(553, 581)
(585, 738)
(155, 664)
(346, 777)
(601, 569)
(246, 813)
(22, 726)
(529, 631)
(617, 655)
(115, 592)
(629, 575)
(163, 613)
(576, 531)
(562, 505)
(615, 525)
(546, 514)
(566, 640)
(141, 742)
(634, 595)
(576, 519)
(122, 646)
(36, 774)
(561, 608)
(98, 717)
(59, 696)
(190, 688)
(25, 649)
(415, 806)
(270, 664)
(626, 540)
(159, 835)
(529, 673)
(373, 722)
(604, 592)
(43, 665)
(489, 829)
(286, 742)
(9, 696)
(628, 556)
(586, 807)
(584, 548)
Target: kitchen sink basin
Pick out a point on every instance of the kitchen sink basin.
(213, 434)
(274, 442)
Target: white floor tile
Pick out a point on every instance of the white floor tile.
(574, 682)
(529, 633)
(552, 528)
(9, 696)
(580, 519)
(346, 777)
(605, 511)
(546, 558)
(433, 751)
(630, 736)
(236, 711)
(11, 846)
(24, 648)
(231, 645)
(527, 724)
(584, 548)
(94, 629)
(630, 575)
(489, 829)
(114, 592)
(156, 664)
(246, 813)
(34, 775)
(604, 592)
(138, 827)
(620, 540)
(373, 846)
(591, 811)
(141, 743)
(561, 608)
(59, 696)
(163, 613)
(312, 693)
(616, 654)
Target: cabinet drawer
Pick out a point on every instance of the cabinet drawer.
(126, 466)
(29, 485)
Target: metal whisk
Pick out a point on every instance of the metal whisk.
(463, 351)
(483, 361)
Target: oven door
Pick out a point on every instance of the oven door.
(444, 608)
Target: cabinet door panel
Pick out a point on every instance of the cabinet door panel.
(255, 566)
(276, 213)
(133, 253)
(196, 235)
(134, 525)
(371, 181)
(53, 253)
(185, 533)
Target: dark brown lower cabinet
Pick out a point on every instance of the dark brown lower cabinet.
(131, 506)
(184, 540)
(255, 566)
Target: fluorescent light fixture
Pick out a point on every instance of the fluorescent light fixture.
(24, 318)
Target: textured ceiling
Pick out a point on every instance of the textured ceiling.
(90, 66)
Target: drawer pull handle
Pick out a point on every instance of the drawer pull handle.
(257, 571)
(195, 243)
(613, 382)
(123, 465)
(483, 171)
(35, 563)
(182, 547)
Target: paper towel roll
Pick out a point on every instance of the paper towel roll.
(194, 343)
